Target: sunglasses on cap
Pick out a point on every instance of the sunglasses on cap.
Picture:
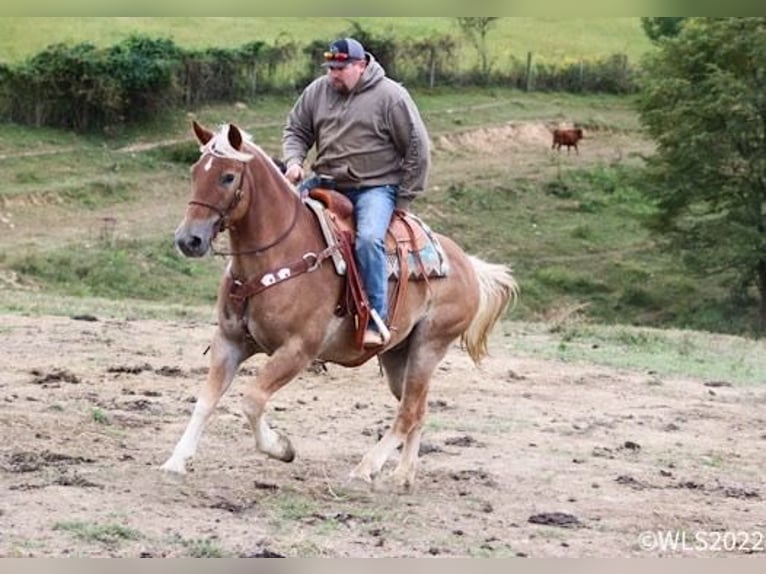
(336, 57)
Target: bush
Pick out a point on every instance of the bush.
(84, 88)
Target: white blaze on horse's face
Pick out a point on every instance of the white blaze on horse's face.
(216, 181)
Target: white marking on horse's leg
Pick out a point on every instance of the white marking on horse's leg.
(224, 359)
(376, 457)
(421, 362)
(271, 442)
(404, 474)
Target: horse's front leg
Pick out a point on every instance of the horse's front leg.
(286, 362)
(225, 357)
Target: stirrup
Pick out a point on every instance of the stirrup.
(379, 337)
(373, 338)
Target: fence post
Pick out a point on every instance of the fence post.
(528, 82)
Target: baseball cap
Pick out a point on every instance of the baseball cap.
(342, 52)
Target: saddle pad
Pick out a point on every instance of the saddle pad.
(428, 251)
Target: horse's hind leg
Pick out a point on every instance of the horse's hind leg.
(421, 361)
(394, 364)
(225, 358)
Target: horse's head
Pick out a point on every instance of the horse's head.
(218, 198)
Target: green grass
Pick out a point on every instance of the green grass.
(141, 269)
(100, 417)
(573, 234)
(109, 534)
(655, 352)
(548, 38)
(205, 548)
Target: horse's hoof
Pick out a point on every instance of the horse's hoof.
(285, 451)
(173, 471)
(286, 455)
(361, 473)
(402, 482)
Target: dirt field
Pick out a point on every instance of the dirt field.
(523, 457)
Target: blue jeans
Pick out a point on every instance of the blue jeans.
(373, 208)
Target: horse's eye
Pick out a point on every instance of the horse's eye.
(228, 178)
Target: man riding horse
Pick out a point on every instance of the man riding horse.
(372, 144)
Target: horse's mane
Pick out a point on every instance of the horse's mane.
(219, 145)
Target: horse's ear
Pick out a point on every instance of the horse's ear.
(202, 134)
(235, 137)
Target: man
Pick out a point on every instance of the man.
(369, 138)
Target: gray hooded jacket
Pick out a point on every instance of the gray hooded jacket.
(369, 137)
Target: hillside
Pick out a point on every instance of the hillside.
(550, 38)
(91, 216)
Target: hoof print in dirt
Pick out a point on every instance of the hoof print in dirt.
(691, 485)
(170, 372)
(473, 476)
(85, 317)
(54, 377)
(76, 480)
(628, 480)
(235, 507)
(464, 440)
(26, 461)
(439, 405)
(130, 370)
(561, 519)
(718, 384)
(739, 492)
(428, 448)
(602, 452)
(266, 553)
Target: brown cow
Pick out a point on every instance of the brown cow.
(568, 137)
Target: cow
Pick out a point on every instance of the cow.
(568, 137)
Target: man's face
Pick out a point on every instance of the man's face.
(346, 78)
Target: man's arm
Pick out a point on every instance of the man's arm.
(411, 138)
(297, 138)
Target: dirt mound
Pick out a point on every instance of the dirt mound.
(513, 135)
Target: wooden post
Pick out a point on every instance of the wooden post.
(528, 83)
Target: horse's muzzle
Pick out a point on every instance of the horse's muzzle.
(191, 242)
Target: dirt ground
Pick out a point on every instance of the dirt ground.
(523, 457)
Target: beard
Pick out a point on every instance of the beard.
(340, 87)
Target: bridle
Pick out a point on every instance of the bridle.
(223, 222)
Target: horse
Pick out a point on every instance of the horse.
(275, 242)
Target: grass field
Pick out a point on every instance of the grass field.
(570, 225)
(547, 38)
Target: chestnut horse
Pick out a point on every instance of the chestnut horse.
(236, 187)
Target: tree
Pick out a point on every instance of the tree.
(704, 102)
(658, 28)
(476, 30)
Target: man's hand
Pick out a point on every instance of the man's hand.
(294, 173)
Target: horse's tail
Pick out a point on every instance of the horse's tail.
(497, 290)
